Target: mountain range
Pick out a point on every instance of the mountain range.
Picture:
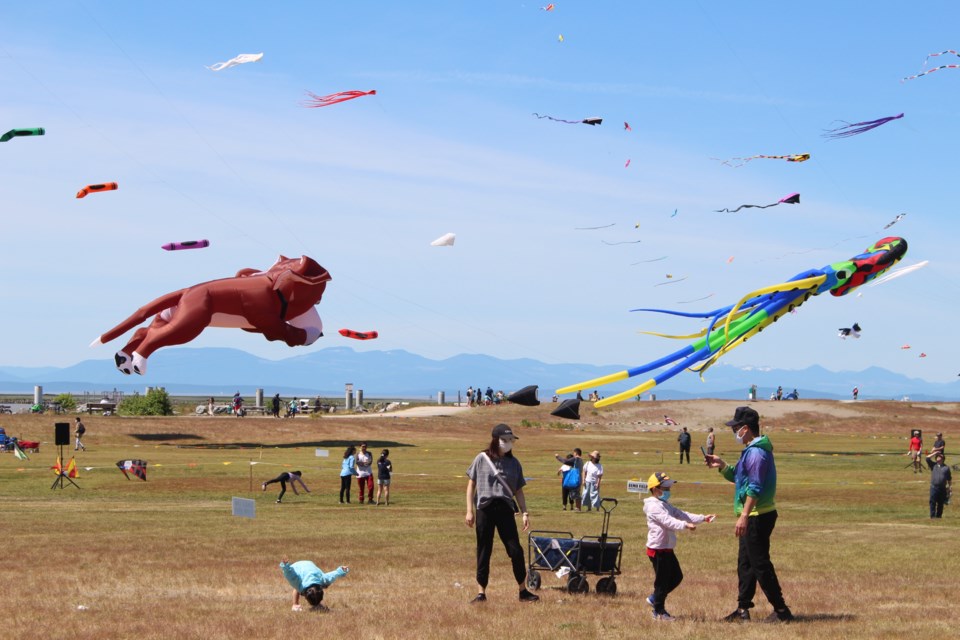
(398, 373)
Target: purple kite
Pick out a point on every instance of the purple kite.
(856, 128)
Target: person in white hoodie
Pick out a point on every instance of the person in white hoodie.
(663, 521)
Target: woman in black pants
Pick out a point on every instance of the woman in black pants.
(495, 480)
(348, 469)
(293, 477)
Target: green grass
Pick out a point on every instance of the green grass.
(855, 551)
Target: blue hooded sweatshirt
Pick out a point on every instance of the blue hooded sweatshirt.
(304, 573)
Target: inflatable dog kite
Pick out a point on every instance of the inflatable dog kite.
(278, 302)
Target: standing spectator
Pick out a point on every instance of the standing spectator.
(940, 479)
(916, 446)
(569, 483)
(939, 446)
(276, 406)
(210, 406)
(755, 488)
(348, 469)
(856, 392)
(489, 396)
(779, 393)
(78, 432)
(238, 405)
(494, 494)
(292, 408)
(575, 461)
(384, 471)
(469, 396)
(293, 477)
(684, 440)
(663, 521)
(592, 476)
(711, 441)
(365, 472)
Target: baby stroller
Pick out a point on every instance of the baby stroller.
(574, 558)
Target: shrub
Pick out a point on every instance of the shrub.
(66, 401)
(155, 403)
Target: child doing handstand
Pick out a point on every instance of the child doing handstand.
(309, 581)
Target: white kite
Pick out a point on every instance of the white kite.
(243, 58)
(446, 240)
(896, 273)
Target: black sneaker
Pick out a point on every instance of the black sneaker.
(780, 615)
(526, 596)
(740, 615)
(481, 597)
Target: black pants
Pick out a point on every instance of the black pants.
(282, 479)
(682, 451)
(667, 577)
(345, 482)
(938, 496)
(754, 565)
(570, 495)
(498, 515)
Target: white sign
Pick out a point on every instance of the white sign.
(635, 486)
(244, 508)
(322, 453)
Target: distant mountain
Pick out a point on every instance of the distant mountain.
(398, 373)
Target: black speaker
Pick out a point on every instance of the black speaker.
(62, 433)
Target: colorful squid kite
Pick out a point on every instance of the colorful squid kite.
(796, 157)
(731, 326)
(943, 66)
(315, 101)
(278, 303)
(19, 133)
(793, 198)
(96, 188)
(592, 121)
(855, 128)
(243, 58)
(186, 244)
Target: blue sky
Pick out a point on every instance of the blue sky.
(449, 144)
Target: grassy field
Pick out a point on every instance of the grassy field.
(856, 553)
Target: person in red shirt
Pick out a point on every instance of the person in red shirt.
(916, 446)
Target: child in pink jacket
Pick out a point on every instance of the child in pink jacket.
(663, 521)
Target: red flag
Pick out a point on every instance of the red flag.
(71, 471)
(57, 468)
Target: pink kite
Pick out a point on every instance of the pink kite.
(316, 101)
(626, 126)
(628, 163)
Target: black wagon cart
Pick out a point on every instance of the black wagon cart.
(575, 558)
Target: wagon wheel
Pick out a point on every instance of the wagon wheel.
(607, 585)
(578, 584)
(533, 579)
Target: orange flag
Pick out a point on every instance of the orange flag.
(57, 468)
(72, 469)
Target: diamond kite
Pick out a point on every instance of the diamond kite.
(278, 303)
(731, 326)
(793, 198)
(136, 467)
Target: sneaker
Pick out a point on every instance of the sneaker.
(526, 596)
(480, 597)
(278, 502)
(650, 599)
(781, 615)
(263, 487)
(663, 616)
(739, 615)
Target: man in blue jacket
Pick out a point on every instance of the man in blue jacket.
(755, 488)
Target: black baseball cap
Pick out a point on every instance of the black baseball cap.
(745, 416)
(503, 430)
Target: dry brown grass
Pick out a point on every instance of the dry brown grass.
(857, 555)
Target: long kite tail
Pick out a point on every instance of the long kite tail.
(316, 101)
(558, 119)
(856, 128)
(943, 66)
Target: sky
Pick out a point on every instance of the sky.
(450, 143)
